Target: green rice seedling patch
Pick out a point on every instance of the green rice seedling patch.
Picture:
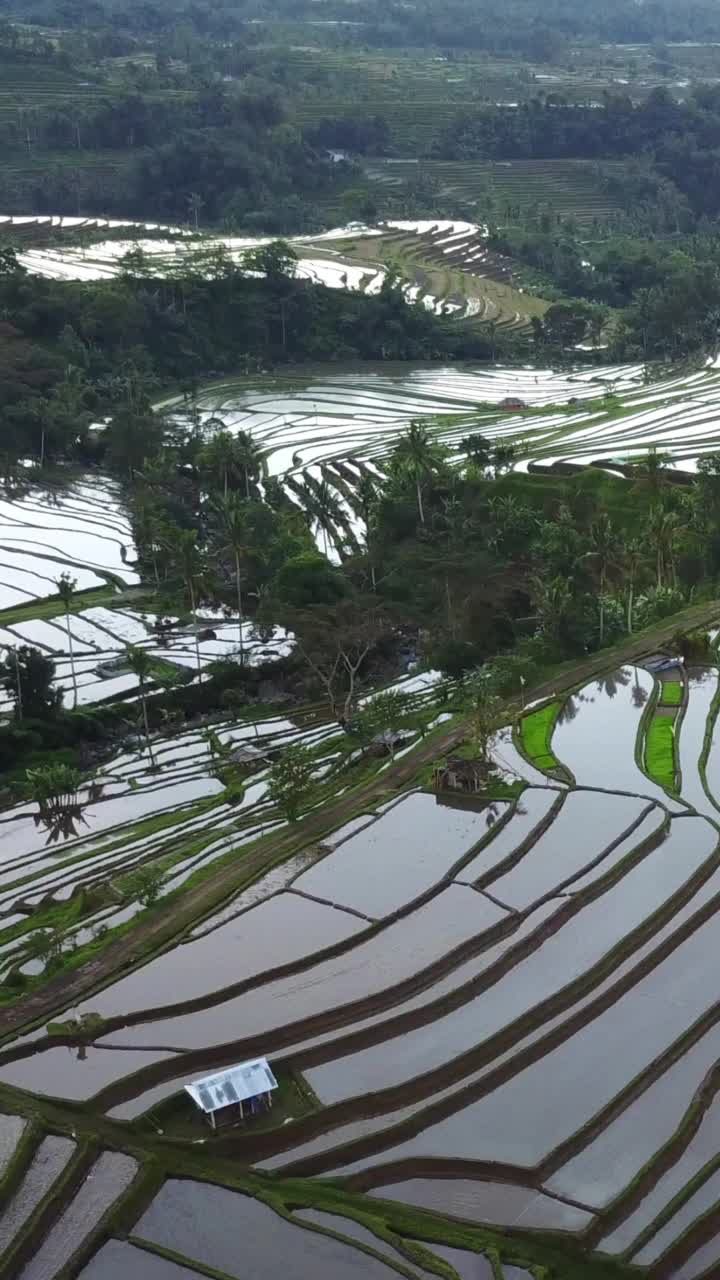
(660, 751)
(536, 730)
(672, 693)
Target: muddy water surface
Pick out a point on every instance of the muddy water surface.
(11, 1129)
(108, 1178)
(702, 1148)
(500, 1203)
(394, 955)
(532, 808)
(582, 941)
(48, 1162)
(698, 1204)
(276, 932)
(601, 1171)
(118, 1260)
(595, 735)
(245, 1238)
(65, 1072)
(397, 858)
(579, 1077)
(587, 823)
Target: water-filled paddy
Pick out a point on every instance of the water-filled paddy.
(382, 868)
(193, 1219)
(111, 1174)
(492, 1202)
(48, 1162)
(117, 1260)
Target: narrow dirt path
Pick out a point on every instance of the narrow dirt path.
(160, 927)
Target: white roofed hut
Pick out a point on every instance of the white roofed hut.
(235, 1093)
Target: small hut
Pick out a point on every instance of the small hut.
(466, 776)
(513, 403)
(234, 1094)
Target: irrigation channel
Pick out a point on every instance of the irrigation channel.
(495, 1028)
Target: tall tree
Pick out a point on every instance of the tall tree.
(140, 663)
(604, 554)
(66, 590)
(634, 562)
(418, 457)
(191, 565)
(217, 459)
(247, 458)
(27, 676)
(324, 510)
(233, 518)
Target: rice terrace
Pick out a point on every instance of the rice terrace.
(487, 1011)
(359, 640)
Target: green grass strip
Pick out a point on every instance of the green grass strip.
(536, 731)
(672, 693)
(660, 751)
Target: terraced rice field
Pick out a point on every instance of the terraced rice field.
(420, 95)
(333, 427)
(496, 1029)
(569, 187)
(444, 266)
(170, 810)
(44, 530)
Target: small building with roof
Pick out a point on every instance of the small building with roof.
(235, 1093)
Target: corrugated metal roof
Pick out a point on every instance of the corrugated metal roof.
(234, 1084)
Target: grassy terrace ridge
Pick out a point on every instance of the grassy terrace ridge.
(53, 606)
(159, 926)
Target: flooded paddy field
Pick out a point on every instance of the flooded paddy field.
(483, 1018)
(500, 1018)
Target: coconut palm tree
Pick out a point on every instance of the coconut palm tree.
(653, 465)
(140, 663)
(217, 458)
(195, 203)
(66, 589)
(553, 599)
(324, 510)
(634, 562)
(604, 552)
(147, 529)
(190, 563)
(367, 496)
(234, 526)
(248, 457)
(418, 456)
(663, 530)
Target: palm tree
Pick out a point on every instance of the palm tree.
(662, 530)
(634, 561)
(418, 456)
(147, 530)
(553, 599)
(604, 552)
(367, 495)
(66, 588)
(195, 203)
(324, 508)
(217, 458)
(191, 565)
(140, 663)
(654, 464)
(248, 457)
(234, 523)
